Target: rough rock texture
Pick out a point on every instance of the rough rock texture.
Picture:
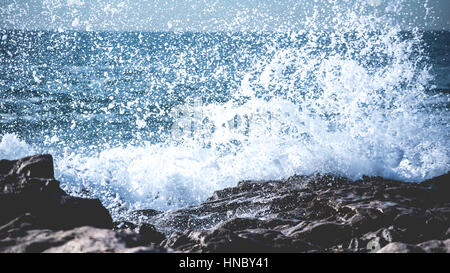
(29, 187)
(319, 213)
(36, 215)
(401, 248)
(81, 239)
(434, 246)
(314, 213)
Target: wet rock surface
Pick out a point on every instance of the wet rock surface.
(319, 213)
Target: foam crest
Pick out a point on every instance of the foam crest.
(351, 101)
(12, 147)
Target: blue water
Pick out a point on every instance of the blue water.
(162, 120)
(93, 78)
(50, 81)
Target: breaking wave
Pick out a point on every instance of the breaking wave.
(351, 100)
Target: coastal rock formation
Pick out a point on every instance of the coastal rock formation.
(19, 237)
(315, 213)
(29, 187)
(318, 213)
(36, 215)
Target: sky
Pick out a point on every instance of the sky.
(209, 15)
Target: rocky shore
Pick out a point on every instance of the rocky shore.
(320, 213)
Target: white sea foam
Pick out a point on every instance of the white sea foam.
(334, 112)
(287, 142)
(12, 147)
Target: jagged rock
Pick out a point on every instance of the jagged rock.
(374, 241)
(436, 246)
(223, 240)
(327, 213)
(150, 234)
(82, 239)
(36, 215)
(236, 224)
(183, 241)
(440, 186)
(18, 226)
(29, 187)
(401, 248)
(325, 234)
(33, 166)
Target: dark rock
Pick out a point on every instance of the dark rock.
(70, 212)
(440, 186)
(6, 166)
(325, 234)
(236, 224)
(223, 240)
(29, 187)
(267, 240)
(438, 183)
(401, 248)
(82, 239)
(374, 241)
(150, 234)
(322, 212)
(34, 166)
(36, 215)
(436, 246)
(18, 226)
(182, 242)
(53, 208)
(20, 194)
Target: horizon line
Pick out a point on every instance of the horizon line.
(189, 31)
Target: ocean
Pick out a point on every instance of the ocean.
(161, 120)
